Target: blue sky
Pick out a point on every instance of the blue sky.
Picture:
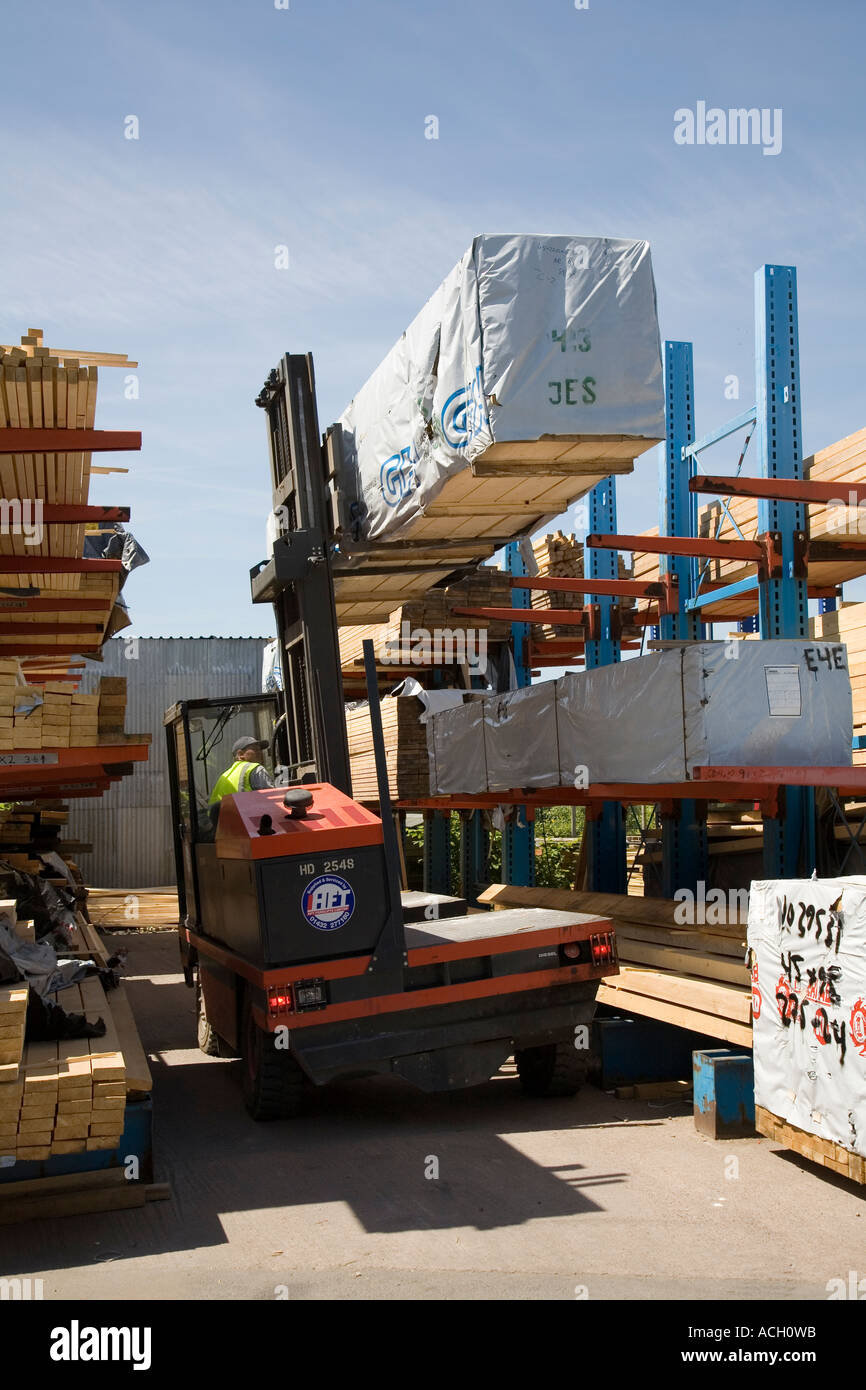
(305, 127)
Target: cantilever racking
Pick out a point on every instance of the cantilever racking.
(57, 608)
(56, 603)
(773, 599)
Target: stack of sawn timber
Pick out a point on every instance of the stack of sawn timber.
(31, 830)
(844, 460)
(53, 715)
(37, 392)
(132, 908)
(42, 388)
(560, 556)
(693, 976)
(405, 750)
(70, 1097)
(848, 625)
(485, 587)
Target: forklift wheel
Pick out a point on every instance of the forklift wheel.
(209, 1041)
(273, 1083)
(557, 1069)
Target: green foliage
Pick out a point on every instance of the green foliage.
(556, 850)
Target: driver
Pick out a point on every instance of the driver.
(246, 774)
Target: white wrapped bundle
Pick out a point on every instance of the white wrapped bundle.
(533, 350)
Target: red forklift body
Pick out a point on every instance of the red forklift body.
(333, 822)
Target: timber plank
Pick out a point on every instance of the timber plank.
(137, 1070)
(722, 1000)
(692, 1019)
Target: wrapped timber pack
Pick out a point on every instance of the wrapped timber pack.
(808, 939)
(655, 719)
(455, 749)
(519, 735)
(530, 340)
(658, 717)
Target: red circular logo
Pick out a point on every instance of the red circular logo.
(857, 1024)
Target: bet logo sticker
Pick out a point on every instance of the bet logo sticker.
(328, 902)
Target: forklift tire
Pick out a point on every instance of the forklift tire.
(273, 1084)
(556, 1069)
(209, 1041)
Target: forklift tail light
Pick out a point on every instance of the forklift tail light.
(279, 1000)
(603, 948)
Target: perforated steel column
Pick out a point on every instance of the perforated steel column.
(683, 829)
(606, 843)
(789, 842)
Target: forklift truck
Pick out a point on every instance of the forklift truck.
(306, 957)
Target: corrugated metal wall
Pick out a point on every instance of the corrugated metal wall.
(130, 826)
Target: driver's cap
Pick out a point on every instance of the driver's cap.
(240, 744)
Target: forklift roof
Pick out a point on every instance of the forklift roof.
(256, 825)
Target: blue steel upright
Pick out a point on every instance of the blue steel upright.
(789, 841)
(473, 843)
(606, 842)
(684, 831)
(436, 862)
(518, 837)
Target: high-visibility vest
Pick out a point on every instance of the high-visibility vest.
(237, 779)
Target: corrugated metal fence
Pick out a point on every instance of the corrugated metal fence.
(130, 826)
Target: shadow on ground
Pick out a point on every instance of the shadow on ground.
(366, 1143)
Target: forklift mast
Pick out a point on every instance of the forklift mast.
(298, 578)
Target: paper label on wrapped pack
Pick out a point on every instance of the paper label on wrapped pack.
(783, 691)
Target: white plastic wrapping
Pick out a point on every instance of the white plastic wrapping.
(809, 1004)
(528, 336)
(520, 738)
(657, 718)
(455, 748)
(767, 704)
(623, 723)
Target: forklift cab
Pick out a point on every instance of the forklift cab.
(200, 735)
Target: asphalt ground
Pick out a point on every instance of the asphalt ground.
(590, 1197)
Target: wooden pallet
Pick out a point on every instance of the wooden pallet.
(817, 1150)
